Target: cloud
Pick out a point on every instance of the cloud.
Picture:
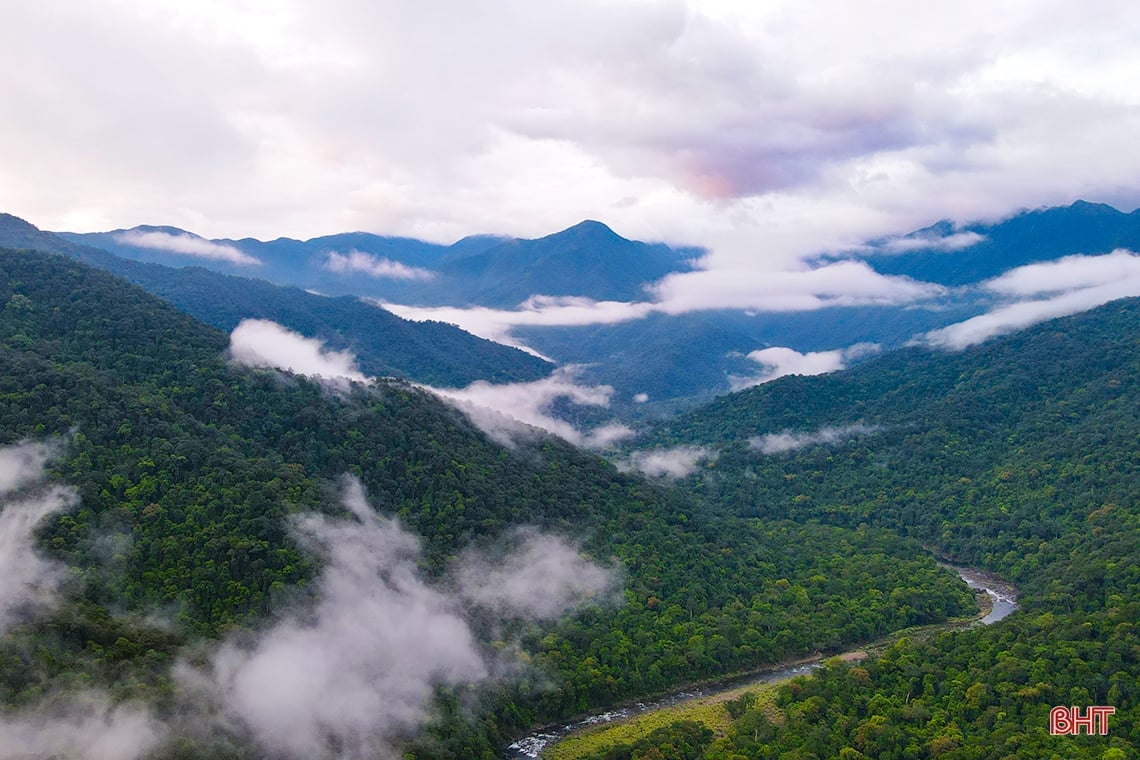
(1079, 283)
(84, 725)
(190, 245)
(778, 443)
(762, 289)
(357, 673)
(357, 261)
(504, 411)
(640, 398)
(261, 343)
(30, 581)
(677, 462)
(954, 242)
(540, 577)
(546, 311)
(780, 361)
(1068, 273)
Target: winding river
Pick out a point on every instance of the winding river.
(1002, 594)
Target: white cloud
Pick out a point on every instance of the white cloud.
(677, 462)
(778, 443)
(376, 266)
(768, 132)
(640, 398)
(1078, 283)
(780, 361)
(190, 245)
(956, 241)
(85, 725)
(1068, 273)
(505, 410)
(30, 580)
(357, 673)
(261, 343)
(845, 283)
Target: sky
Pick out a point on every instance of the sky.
(762, 130)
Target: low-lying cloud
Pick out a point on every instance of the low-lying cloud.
(778, 443)
(356, 673)
(186, 244)
(956, 241)
(498, 410)
(262, 343)
(1071, 285)
(843, 283)
(678, 462)
(780, 361)
(375, 266)
(85, 725)
(30, 580)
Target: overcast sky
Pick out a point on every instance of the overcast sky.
(763, 130)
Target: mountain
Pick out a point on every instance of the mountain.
(194, 540)
(1026, 238)
(428, 352)
(588, 260)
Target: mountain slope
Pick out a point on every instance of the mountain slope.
(428, 352)
(1020, 456)
(188, 470)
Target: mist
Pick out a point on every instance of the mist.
(677, 462)
(778, 443)
(262, 343)
(30, 581)
(355, 674)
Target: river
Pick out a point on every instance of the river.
(1002, 594)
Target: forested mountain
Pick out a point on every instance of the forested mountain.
(191, 474)
(988, 250)
(1019, 456)
(428, 352)
(588, 260)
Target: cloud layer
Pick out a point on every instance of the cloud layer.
(767, 132)
(262, 343)
(375, 266)
(189, 245)
(1069, 286)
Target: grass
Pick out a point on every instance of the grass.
(707, 710)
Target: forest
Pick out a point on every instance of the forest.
(188, 468)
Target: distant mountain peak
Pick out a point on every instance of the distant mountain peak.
(588, 228)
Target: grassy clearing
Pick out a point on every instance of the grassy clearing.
(707, 710)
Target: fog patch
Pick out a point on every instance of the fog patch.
(375, 266)
(778, 443)
(357, 672)
(85, 726)
(29, 580)
(508, 412)
(677, 462)
(262, 343)
(779, 361)
(640, 398)
(186, 244)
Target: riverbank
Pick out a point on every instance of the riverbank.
(997, 598)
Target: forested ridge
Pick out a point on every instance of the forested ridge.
(187, 466)
(1019, 456)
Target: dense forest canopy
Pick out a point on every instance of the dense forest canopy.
(187, 470)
